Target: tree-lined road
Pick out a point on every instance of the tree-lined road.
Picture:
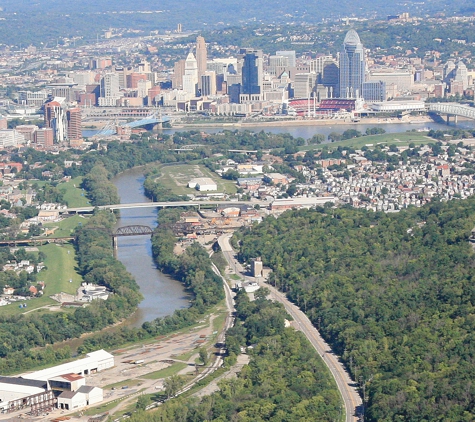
(349, 394)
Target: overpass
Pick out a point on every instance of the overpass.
(160, 205)
(452, 109)
(151, 120)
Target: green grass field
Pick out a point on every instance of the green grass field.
(165, 372)
(73, 194)
(177, 177)
(398, 139)
(66, 227)
(60, 269)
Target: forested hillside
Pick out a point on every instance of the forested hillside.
(393, 293)
(285, 380)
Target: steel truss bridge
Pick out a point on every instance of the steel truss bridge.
(132, 230)
(452, 109)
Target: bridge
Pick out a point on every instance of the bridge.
(452, 109)
(132, 230)
(150, 121)
(198, 204)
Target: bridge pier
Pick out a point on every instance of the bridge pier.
(454, 116)
(115, 246)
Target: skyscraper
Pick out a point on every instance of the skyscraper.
(352, 66)
(109, 90)
(74, 123)
(55, 119)
(252, 71)
(190, 78)
(201, 55)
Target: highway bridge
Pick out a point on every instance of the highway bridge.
(198, 204)
(452, 109)
(155, 118)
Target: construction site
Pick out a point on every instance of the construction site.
(224, 219)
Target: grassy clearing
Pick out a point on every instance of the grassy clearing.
(177, 177)
(60, 269)
(127, 383)
(103, 408)
(67, 226)
(398, 139)
(73, 194)
(166, 372)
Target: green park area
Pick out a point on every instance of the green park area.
(398, 139)
(177, 177)
(65, 227)
(73, 194)
(60, 269)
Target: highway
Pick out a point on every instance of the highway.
(348, 392)
(160, 205)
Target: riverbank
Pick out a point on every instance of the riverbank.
(286, 122)
(308, 122)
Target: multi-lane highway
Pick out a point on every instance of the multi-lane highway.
(349, 394)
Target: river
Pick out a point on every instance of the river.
(307, 131)
(162, 294)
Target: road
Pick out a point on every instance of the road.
(351, 398)
(160, 205)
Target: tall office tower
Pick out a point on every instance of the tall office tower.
(352, 66)
(109, 90)
(74, 123)
(208, 83)
(304, 84)
(461, 74)
(55, 119)
(449, 70)
(277, 65)
(319, 62)
(201, 55)
(143, 87)
(190, 78)
(252, 71)
(178, 72)
(290, 55)
(330, 78)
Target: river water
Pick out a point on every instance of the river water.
(162, 294)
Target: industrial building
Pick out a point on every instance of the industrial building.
(62, 386)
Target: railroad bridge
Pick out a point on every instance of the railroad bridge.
(132, 230)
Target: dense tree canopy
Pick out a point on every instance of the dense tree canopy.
(392, 293)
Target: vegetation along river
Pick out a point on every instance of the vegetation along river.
(162, 295)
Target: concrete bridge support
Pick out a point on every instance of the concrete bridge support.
(454, 116)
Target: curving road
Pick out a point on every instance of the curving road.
(349, 394)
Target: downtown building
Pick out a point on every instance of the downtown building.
(352, 66)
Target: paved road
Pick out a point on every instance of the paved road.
(161, 205)
(351, 398)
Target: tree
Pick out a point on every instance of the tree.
(142, 402)
(317, 139)
(203, 356)
(334, 137)
(173, 385)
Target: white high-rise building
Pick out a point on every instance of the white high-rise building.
(190, 78)
(143, 86)
(10, 138)
(109, 90)
(290, 54)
